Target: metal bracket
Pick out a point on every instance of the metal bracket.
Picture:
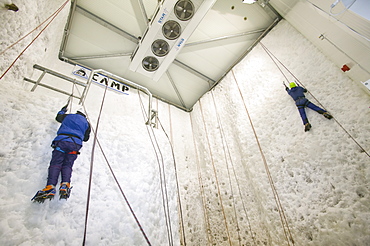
(154, 115)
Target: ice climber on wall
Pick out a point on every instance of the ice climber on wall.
(73, 130)
(297, 93)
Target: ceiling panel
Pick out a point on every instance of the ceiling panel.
(105, 34)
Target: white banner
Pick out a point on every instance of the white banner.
(112, 84)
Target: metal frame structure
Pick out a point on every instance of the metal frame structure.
(172, 81)
(152, 119)
(56, 74)
(152, 114)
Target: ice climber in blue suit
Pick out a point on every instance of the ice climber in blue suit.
(73, 131)
(297, 93)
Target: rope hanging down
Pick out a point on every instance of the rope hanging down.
(177, 183)
(54, 15)
(227, 152)
(42, 23)
(92, 164)
(162, 176)
(216, 177)
(274, 59)
(114, 176)
(69, 104)
(201, 187)
(284, 221)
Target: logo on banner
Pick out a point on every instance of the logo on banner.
(81, 72)
(100, 79)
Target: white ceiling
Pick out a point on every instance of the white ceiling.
(103, 34)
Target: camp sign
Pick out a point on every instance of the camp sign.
(100, 79)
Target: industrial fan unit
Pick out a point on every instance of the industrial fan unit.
(171, 27)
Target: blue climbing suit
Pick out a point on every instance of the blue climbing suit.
(297, 93)
(74, 129)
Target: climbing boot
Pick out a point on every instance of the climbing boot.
(307, 127)
(64, 190)
(47, 193)
(327, 115)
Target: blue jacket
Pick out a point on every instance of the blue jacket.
(74, 128)
(296, 92)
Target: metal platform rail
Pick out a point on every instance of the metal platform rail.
(152, 114)
(59, 75)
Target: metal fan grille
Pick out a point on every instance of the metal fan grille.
(184, 10)
(150, 63)
(171, 30)
(160, 47)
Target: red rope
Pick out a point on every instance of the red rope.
(55, 14)
(2, 52)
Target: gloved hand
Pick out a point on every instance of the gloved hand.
(286, 87)
(65, 108)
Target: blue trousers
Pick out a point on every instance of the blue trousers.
(304, 102)
(62, 162)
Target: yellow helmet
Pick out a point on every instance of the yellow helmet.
(292, 84)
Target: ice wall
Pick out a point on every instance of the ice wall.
(321, 176)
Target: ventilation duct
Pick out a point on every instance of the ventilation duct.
(171, 27)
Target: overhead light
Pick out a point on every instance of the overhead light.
(249, 1)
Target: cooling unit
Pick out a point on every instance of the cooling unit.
(171, 27)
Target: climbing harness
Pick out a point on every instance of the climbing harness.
(71, 136)
(70, 153)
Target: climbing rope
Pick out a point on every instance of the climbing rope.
(227, 152)
(70, 100)
(201, 187)
(215, 175)
(283, 218)
(42, 23)
(177, 180)
(96, 140)
(53, 16)
(92, 164)
(223, 139)
(274, 59)
(162, 175)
